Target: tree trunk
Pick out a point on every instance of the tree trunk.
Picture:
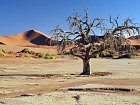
(86, 68)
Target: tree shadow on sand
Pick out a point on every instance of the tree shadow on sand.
(32, 75)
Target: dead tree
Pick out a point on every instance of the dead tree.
(62, 38)
(85, 46)
(115, 36)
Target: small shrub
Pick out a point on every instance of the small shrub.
(133, 54)
(41, 55)
(66, 53)
(2, 52)
(48, 56)
(25, 50)
(104, 54)
(45, 55)
(129, 55)
(97, 56)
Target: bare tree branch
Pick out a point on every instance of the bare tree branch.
(86, 46)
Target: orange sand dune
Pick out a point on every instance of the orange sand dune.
(28, 38)
(35, 37)
(134, 41)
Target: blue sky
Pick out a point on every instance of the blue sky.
(21, 15)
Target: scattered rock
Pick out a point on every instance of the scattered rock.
(94, 74)
(11, 52)
(26, 95)
(1, 102)
(102, 73)
(104, 89)
(26, 53)
(77, 98)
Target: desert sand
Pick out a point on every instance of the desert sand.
(28, 38)
(34, 38)
(30, 81)
(135, 41)
(36, 81)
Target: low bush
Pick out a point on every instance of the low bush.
(129, 55)
(97, 56)
(25, 50)
(105, 54)
(66, 53)
(2, 52)
(45, 55)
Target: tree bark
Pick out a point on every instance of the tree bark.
(86, 67)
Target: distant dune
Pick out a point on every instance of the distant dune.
(135, 41)
(35, 37)
(28, 38)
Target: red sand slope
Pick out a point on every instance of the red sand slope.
(134, 41)
(35, 37)
(28, 38)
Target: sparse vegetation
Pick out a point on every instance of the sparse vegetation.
(105, 54)
(86, 44)
(25, 50)
(27, 53)
(2, 52)
(45, 55)
(96, 56)
(128, 55)
(102, 55)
